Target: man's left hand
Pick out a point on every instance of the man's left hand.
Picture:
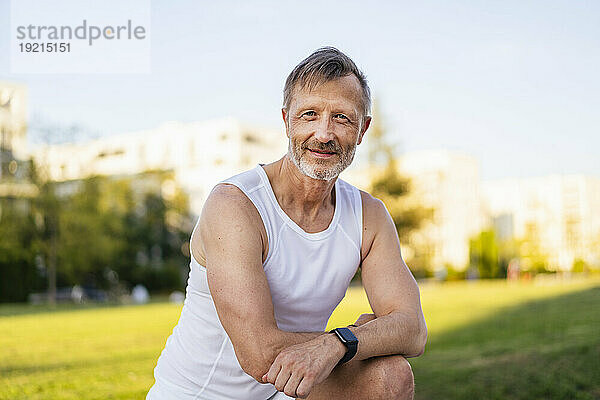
(297, 369)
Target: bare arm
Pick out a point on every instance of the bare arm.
(231, 235)
(399, 326)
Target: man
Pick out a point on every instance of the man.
(272, 255)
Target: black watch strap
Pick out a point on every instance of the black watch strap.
(348, 339)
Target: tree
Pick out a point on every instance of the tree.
(98, 231)
(394, 189)
(46, 208)
(18, 272)
(111, 229)
(484, 254)
(157, 233)
(18, 234)
(47, 205)
(89, 234)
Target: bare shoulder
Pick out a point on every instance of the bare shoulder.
(227, 213)
(229, 199)
(375, 219)
(373, 208)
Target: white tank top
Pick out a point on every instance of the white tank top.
(308, 274)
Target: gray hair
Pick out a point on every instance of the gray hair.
(325, 64)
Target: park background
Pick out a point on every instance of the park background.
(483, 149)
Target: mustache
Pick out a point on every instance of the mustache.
(330, 146)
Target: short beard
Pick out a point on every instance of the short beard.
(318, 170)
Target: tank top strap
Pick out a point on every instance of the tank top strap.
(351, 219)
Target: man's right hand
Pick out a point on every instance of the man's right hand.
(298, 368)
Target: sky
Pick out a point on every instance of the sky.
(514, 84)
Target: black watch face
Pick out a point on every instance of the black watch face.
(347, 335)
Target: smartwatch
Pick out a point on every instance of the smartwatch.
(349, 340)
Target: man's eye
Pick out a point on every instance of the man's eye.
(309, 114)
(342, 116)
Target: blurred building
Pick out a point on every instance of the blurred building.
(13, 119)
(15, 170)
(558, 215)
(448, 182)
(199, 153)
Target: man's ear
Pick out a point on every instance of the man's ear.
(284, 115)
(364, 128)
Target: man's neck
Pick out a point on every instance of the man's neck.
(298, 193)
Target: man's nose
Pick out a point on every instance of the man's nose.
(324, 131)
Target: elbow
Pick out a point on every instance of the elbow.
(421, 340)
(418, 345)
(255, 370)
(254, 363)
(256, 352)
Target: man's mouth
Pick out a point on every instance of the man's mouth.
(322, 152)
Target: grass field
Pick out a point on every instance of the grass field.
(487, 340)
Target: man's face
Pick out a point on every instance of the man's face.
(324, 127)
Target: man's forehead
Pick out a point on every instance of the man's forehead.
(344, 91)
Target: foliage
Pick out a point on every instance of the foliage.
(490, 255)
(18, 272)
(106, 228)
(533, 257)
(484, 254)
(580, 266)
(90, 235)
(98, 232)
(452, 274)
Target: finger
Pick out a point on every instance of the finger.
(282, 378)
(304, 388)
(273, 371)
(292, 385)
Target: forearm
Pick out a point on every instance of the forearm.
(396, 333)
(279, 340)
(257, 356)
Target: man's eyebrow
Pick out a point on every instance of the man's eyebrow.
(349, 113)
(308, 106)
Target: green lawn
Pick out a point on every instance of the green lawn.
(487, 340)
(493, 340)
